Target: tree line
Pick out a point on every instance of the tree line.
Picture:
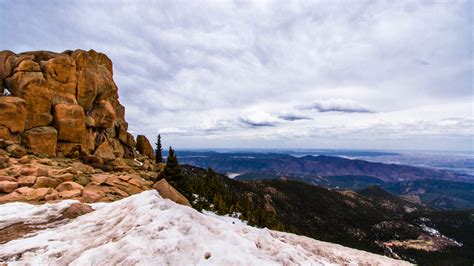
(210, 191)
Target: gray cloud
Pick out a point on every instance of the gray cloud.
(337, 105)
(292, 117)
(251, 123)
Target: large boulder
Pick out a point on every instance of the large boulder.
(13, 61)
(61, 78)
(103, 114)
(60, 74)
(70, 122)
(86, 88)
(169, 192)
(94, 78)
(47, 182)
(67, 186)
(27, 180)
(13, 113)
(28, 66)
(32, 87)
(41, 140)
(76, 209)
(38, 194)
(144, 147)
(5, 134)
(58, 98)
(8, 186)
(4, 72)
(7, 178)
(128, 142)
(104, 152)
(102, 60)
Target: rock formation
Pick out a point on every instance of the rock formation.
(63, 104)
(63, 133)
(144, 147)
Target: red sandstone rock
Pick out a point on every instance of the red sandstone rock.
(8, 186)
(45, 182)
(105, 152)
(26, 181)
(169, 192)
(32, 87)
(41, 140)
(13, 113)
(144, 147)
(69, 120)
(77, 209)
(69, 194)
(78, 89)
(69, 186)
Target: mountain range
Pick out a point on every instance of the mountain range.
(438, 189)
(314, 166)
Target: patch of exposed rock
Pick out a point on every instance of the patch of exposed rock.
(38, 180)
(169, 192)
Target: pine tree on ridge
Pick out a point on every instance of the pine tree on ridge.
(159, 150)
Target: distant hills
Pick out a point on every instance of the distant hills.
(284, 165)
(439, 194)
(438, 189)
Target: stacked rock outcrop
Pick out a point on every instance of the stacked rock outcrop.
(39, 180)
(63, 104)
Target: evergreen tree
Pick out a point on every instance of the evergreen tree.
(174, 174)
(159, 150)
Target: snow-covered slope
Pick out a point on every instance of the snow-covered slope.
(148, 230)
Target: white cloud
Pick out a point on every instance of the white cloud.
(172, 131)
(213, 73)
(259, 118)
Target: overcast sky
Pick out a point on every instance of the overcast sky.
(274, 74)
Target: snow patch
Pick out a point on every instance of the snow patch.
(19, 212)
(146, 229)
(140, 163)
(434, 232)
(233, 175)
